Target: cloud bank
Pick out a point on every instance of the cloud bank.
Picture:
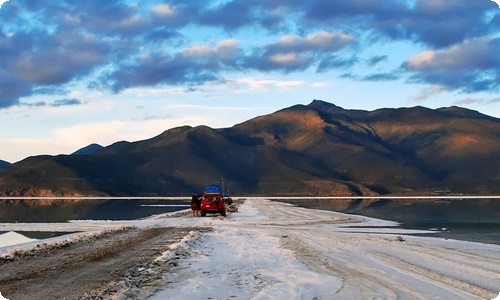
(115, 45)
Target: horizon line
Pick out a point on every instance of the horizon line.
(253, 197)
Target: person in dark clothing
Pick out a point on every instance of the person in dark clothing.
(198, 204)
(195, 205)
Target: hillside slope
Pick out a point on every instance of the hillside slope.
(315, 149)
(4, 164)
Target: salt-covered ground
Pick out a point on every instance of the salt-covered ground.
(271, 250)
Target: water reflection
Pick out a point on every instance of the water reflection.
(468, 219)
(62, 210)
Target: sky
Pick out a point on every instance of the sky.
(79, 72)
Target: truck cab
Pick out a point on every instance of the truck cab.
(212, 201)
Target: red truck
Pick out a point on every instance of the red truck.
(213, 201)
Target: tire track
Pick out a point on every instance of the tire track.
(84, 268)
(436, 276)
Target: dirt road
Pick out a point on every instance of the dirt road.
(93, 269)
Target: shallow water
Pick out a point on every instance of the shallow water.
(36, 211)
(62, 210)
(465, 219)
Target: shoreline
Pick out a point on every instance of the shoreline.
(466, 228)
(426, 231)
(308, 253)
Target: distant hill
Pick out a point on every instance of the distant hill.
(4, 164)
(87, 149)
(305, 150)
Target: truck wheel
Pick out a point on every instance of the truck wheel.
(223, 213)
(203, 213)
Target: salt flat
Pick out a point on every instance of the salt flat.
(272, 250)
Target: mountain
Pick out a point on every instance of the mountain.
(305, 150)
(4, 164)
(87, 149)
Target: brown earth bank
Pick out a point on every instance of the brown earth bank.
(89, 269)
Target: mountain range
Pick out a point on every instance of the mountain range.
(4, 164)
(317, 149)
(87, 149)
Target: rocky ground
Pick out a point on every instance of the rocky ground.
(97, 268)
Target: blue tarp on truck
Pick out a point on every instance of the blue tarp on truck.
(213, 189)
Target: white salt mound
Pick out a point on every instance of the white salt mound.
(13, 238)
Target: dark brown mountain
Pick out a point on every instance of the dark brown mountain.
(315, 149)
(4, 164)
(87, 149)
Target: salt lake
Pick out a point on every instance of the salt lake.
(466, 219)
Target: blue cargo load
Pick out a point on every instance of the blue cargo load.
(213, 189)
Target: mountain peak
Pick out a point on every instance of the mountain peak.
(87, 149)
(321, 104)
(463, 112)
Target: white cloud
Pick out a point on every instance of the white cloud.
(164, 10)
(229, 43)
(291, 84)
(267, 84)
(426, 93)
(207, 107)
(145, 92)
(227, 48)
(132, 21)
(82, 134)
(324, 40)
(197, 51)
(285, 58)
(18, 149)
(224, 48)
(474, 53)
(319, 85)
(2, 2)
(422, 60)
(469, 101)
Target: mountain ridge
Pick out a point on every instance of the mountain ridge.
(4, 164)
(87, 149)
(318, 149)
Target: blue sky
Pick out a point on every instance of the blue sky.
(78, 72)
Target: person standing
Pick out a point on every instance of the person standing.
(194, 205)
(198, 205)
